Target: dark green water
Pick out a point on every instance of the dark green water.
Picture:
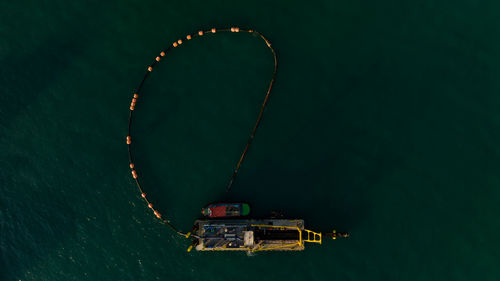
(383, 122)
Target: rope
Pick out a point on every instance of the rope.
(250, 139)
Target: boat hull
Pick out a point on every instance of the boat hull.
(249, 235)
(226, 210)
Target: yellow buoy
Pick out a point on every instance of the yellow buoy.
(179, 41)
(213, 30)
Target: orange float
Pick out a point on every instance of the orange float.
(157, 214)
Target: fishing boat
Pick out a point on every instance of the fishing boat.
(226, 210)
(253, 235)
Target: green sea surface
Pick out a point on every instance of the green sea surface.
(383, 122)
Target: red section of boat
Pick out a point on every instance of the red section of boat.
(217, 211)
(226, 210)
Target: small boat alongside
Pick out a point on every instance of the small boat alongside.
(226, 210)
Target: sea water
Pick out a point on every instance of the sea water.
(383, 122)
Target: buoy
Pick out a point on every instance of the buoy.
(188, 37)
(236, 29)
(174, 44)
(213, 30)
(131, 108)
(157, 58)
(134, 100)
(150, 206)
(157, 214)
(129, 141)
(200, 33)
(232, 29)
(134, 174)
(150, 69)
(190, 248)
(179, 41)
(162, 54)
(143, 195)
(131, 165)
(136, 96)
(132, 104)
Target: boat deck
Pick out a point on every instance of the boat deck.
(250, 235)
